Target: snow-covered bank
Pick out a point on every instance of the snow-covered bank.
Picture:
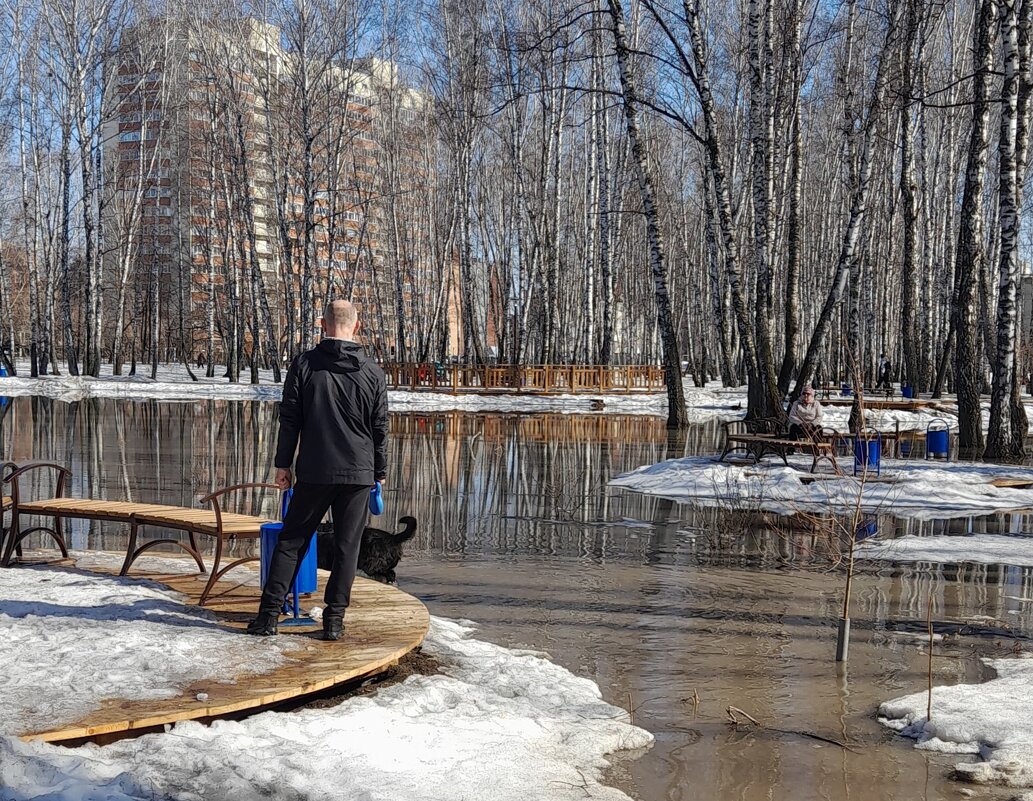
(71, 641)
(987, 549)
(994, 720)
(919, 490)
(173, 383)
(496, 724)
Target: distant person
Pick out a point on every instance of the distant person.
(335, 402)
(805, 416)
(884, 373)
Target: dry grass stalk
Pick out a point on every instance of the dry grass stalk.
(732, 710)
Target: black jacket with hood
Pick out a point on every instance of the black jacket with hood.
(335, 401)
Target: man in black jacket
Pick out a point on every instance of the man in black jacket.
(335, 401)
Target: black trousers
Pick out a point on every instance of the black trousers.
(349, 504)
(801, 432)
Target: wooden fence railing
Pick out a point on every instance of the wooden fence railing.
(503, 378)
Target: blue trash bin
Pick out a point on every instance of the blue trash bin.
(907, 391)
(845, 389)
(305, 582)
(866, 529)
(868, 452)
(937, 439)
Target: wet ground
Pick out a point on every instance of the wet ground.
(676, 613)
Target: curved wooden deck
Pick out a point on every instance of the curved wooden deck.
(382, 625)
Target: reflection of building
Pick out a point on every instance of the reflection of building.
(212, 192)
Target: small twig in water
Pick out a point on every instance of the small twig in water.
(732, 710)
(735, 721)
(929, 623)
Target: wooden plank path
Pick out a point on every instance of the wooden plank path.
(382, 625)
(1013, 483)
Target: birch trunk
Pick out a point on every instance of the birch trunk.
(967, 372)
(1000, 443)
(715, 165)
(909, 205)
(677, 416)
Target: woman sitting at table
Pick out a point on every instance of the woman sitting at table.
(805, 416)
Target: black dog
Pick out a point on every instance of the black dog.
(379, 552)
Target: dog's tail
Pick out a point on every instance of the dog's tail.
(407, 533)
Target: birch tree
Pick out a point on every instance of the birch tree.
(677, 416)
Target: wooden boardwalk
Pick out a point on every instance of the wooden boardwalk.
(382, 625)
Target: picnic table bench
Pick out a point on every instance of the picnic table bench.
(762, 436)
(215, 522)
(894, 441)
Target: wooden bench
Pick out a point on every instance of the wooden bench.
(762, 437)
(214, 521)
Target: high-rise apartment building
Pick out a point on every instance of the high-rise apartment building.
(244, 190)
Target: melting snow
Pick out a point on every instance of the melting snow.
(987, 549)
(86, 639)
(994, 720)
(913, 489)
(496, 724)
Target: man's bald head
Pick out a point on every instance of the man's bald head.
(339, 319)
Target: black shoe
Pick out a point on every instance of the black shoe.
(333, 628)
(264, 625)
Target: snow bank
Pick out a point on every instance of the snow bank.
(173, 383)
(72, 388)
(71, 641)
(496, 725)
(704, 404)
(994, 720)
(987, 549)
(920, 490)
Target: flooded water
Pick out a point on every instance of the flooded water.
(677, 613)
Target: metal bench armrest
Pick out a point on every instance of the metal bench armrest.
(12, 478)
(213, 498)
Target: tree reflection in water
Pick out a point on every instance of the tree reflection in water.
(481, 485)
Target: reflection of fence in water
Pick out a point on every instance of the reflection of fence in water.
(539, 379)
(548, 427)
(532, 484)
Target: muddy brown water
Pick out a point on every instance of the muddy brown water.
(677, 613)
